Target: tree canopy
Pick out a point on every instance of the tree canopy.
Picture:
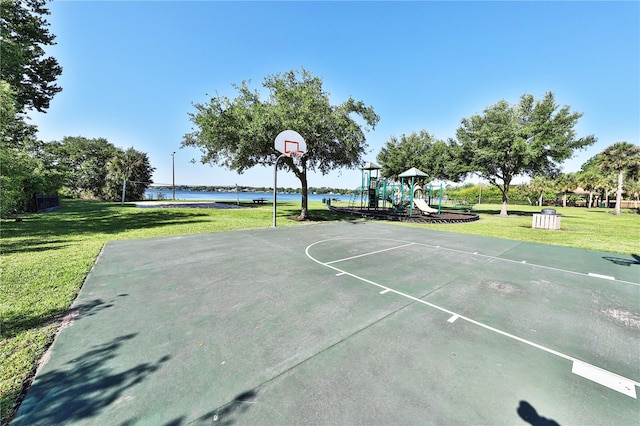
(421, 150)
(531, 138)
(27, 82)
(239, 133)
(25, 65)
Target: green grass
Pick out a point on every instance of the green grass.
(593, 229)
(46, 257)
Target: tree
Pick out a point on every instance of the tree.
(620, 158)
(27, 82)
(133, 167)
(25, 66)
(539, 185)
(421, 150)
(23, 172)
(531, 138)
(239, 133)
(85, 162)
(590, 179)
(565, 182)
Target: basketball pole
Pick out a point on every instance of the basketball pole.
(275, 187)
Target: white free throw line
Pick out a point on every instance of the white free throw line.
(370, 253)
(589, 367)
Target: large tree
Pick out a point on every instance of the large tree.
(85, 162)
(421, 150)
(531, 138)
(620, 158)
(239, 133)
(27, 82)
(25, 64)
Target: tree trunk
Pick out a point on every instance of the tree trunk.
(564, 199)
(505, 199)
(540, 199)
(619, 193)
(304, 208)
(590, 200)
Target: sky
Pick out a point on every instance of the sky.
(133, 70)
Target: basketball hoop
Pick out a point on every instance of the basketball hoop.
(296, 156)
(290, 144)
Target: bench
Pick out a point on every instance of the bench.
(260, 200)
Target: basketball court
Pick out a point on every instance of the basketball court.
(346, 323)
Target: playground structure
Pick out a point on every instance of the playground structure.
(405, 201)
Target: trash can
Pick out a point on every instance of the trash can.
(548, 211)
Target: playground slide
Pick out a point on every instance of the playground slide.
(423, 206)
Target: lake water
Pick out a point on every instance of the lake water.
(166, 194)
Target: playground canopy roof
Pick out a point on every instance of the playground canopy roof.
(370, 165)
(412, 172)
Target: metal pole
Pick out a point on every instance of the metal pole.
(173, 172)
(275, 187)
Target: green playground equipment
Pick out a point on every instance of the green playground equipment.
(377, 193)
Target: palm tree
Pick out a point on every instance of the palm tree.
(588, 179)
(539, 185)
(132, 168)
(566, 182)
(620, 158)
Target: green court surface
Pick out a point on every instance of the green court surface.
(346, 323)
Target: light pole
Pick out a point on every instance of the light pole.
(173, 174)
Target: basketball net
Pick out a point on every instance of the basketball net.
(296, 156)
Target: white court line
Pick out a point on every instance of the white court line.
(613, 377)
(590, 274)
(519, 262)
(605, 378)
(370, 253)
(604, 277)
(453, 318)
(386, 290)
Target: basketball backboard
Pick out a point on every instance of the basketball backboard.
(290, 141)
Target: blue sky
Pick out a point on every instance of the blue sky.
(131, 70)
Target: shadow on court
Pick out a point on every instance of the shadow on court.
(333, 323)
(531, 416)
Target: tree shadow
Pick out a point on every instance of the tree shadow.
(531, 416)
(622, 261)
(225, 415)
(55, 230)
(84, 387)
(13, 322)
(34, 245)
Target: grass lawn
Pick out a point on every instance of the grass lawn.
(45, 258)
